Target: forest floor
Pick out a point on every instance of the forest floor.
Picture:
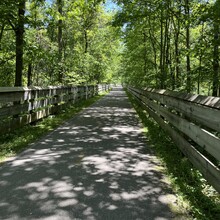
(98, 165)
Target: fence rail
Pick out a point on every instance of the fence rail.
(20, 106)
(193, 121)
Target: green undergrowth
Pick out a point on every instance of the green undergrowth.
(200, 200)
(14, 142)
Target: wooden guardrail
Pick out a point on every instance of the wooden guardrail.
(20, 106)
(193, 122)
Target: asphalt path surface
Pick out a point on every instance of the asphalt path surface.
(96, 166)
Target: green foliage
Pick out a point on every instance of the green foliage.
(85, 52)
(158, 50)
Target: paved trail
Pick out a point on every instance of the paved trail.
(96, 166)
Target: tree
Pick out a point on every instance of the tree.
(56, 42)
(19, 33)
(216, 44)
(172, 29)
(60, 36)
(188, 67)
(13, 14)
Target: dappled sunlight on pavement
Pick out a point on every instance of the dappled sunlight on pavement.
(96, 166)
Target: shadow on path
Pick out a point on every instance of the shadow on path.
(96, 166)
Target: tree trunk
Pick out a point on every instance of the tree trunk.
(19, 32)
(153, 44)
(60, 37)
(177, 59)
(1, 33)
(86, 40)
(145, 54)
(161, 51)
(60, 29)
(167, 51)
(29, 74)
(188, 68)
(176, 43)
(199, 74)
(215, 82)
(172, 73)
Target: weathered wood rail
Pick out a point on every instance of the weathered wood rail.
(20, 106)
(193, 122)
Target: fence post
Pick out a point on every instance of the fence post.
(86, 90)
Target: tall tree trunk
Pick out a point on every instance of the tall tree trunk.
(172, 72)
(177, 59)
(188, 68)
(161, 50)
(176, 45)
(200, 62)
(86, 40)
(215, 82)
(19, 32)
(1, 33)
(29, 74)
(199, 74)
(153, 44)
(60, 29)
(145, 54)
(60, 37)
(167, 51)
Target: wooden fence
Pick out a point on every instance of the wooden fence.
(20, 106)
(193, 122)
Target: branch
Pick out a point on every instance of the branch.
(1, 33)
(12, 25)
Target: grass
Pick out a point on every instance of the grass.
(14, 142)
(201, 201)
